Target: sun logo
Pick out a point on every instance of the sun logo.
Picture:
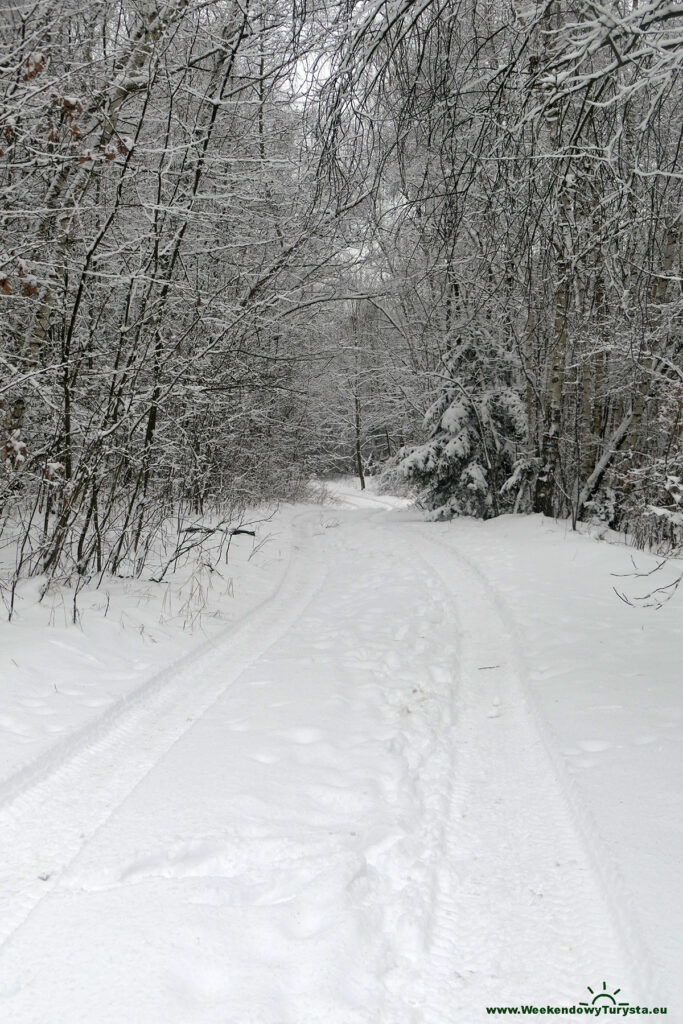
(603, 998)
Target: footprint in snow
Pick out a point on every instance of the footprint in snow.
(241, 725)
(264, 757)
(13, 725)
(594, 746)
(301, 735)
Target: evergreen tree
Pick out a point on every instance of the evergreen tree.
(477, 430)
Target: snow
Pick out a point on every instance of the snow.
(455, 417)
(439, 768)
(57, 677)
(605, 680)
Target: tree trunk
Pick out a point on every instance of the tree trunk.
(359, 457)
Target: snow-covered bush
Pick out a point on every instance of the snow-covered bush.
(650, 508)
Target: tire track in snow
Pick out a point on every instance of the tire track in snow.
(45, 820)
(519, 915)
(55, 756)
(614, 890)
(350, 500)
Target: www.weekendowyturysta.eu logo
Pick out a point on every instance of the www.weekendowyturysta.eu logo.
(603, 1002)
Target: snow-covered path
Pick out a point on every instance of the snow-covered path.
(347, 813)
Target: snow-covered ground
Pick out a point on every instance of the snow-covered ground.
(58, 678)
(399, 773)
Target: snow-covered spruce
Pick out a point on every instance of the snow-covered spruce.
(476, 435)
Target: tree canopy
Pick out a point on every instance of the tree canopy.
(243, 243)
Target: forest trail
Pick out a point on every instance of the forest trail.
(345, 813)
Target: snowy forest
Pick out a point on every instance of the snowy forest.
(341, 510)
(250, 242)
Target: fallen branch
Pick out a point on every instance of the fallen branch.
(232, 531)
